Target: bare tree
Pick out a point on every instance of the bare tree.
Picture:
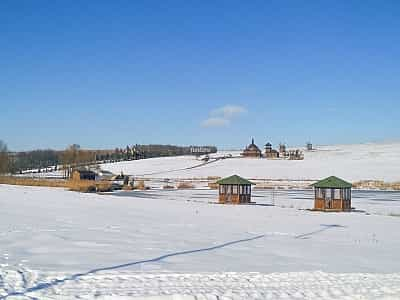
(74, 156)
(4, 161)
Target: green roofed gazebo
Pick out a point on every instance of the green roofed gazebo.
(235, 190)
(332, 194)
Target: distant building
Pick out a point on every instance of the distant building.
(269, 152)
(309, 146)
(282, 150)
(295, 155)
(202, 150)
(252, 150)
(234, 190)
(332, 194)
(82, 174)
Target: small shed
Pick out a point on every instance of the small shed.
(332, 194)
(81, 174)
(234, 190)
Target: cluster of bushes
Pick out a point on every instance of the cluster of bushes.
(84, 186)
(185, 185)
(180, 185)
(90, 186)
(377, 184)
(212, 184)
(33, 182)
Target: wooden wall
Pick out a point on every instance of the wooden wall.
(235, 194)
(234, 198)
(335, 205)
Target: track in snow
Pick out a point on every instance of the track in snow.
(213, 286)
(181, 169)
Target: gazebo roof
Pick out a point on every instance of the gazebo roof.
(332, 182)
(234, 180)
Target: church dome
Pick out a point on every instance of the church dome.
(252, 146)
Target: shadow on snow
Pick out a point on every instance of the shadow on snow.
(47, 285)
(325, 227)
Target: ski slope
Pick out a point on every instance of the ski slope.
(351, 162)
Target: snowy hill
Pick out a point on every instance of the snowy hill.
(180, 244)
(352, 162)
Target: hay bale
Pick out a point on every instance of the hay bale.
(104, 186)
(140, 185)
(185, 185)
(168, 187)
(127, 187)
(82, 186)
(213, 185)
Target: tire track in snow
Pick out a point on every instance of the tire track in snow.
(76, 277)
(57, 282)
(254, 285)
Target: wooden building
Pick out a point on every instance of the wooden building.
(332, 194)
(282, 150)
(295, 155)
(252, 151)
(269, 152)
(82, 174)
(234, 190)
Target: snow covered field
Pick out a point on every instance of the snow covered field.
(352, 162)
(57, 244)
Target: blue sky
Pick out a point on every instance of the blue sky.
(109, 73)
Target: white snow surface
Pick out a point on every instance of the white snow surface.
(351, 162)
(179, 244)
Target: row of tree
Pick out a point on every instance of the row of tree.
(4, 159)
(74, 156)
(39, 160)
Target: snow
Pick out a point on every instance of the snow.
(57, 244)
(351, 162)
(216, 286)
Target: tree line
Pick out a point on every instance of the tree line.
(75, 156)
(4, 160)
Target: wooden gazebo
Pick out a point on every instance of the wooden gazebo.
(234, 190)
(332, 194)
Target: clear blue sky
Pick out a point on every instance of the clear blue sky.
(108, 73)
